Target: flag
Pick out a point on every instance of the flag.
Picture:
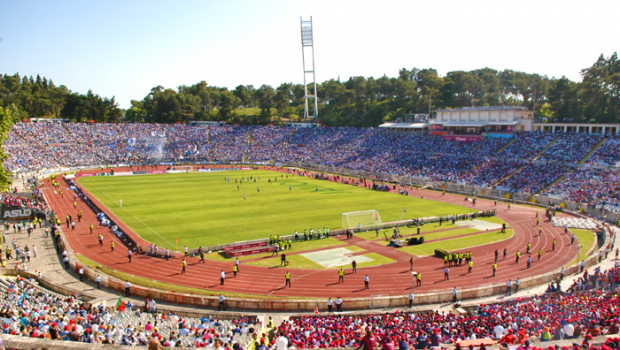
(119, 302)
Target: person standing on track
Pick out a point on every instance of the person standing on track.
(100, 239)
(366, 282)
(446, 274)
(91, 228)
(494, 269)
(129, 255)
(341, 276)
(112, 245)
(186, 251)
(529, 262)
(222, 276)
(202, 254)
(287, 276)
(184, 265)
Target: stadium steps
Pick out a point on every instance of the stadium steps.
(284, 145)
(531, 199)
(583, 160)
(247, 150)
(507, 145)
(560, 178)
(533, 158)
(508, 176)
(545, 149)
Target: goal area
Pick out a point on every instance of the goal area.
(365, 219)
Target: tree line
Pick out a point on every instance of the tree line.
(28, 97)
(358, 101)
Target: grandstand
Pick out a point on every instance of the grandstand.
(495, 163)
(522, 163)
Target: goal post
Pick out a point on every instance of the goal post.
(365, 218)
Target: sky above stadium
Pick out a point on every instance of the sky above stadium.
(125, 48)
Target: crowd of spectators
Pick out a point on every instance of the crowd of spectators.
(534, 176)
(608, 154)
(29, 310)
(486, 163)
(590, 186)
(589, 308)
(571, 148)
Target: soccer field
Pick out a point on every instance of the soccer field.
(201, 209)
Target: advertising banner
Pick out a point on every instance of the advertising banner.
(176, 171)
(157, 172)
(17, 214)
(103, 174)
(140, 172)
(462, 138)
(439, 132)
(123, 173)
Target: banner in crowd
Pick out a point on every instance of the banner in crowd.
(462, 138)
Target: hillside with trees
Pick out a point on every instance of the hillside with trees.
(358, 101)
(28, 97)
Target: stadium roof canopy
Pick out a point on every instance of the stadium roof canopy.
(404, 125)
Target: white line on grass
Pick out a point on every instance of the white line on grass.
(241, 228)
(130, 213)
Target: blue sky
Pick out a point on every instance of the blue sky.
(125, 48)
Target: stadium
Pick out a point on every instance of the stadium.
(442, 208)
(230, 201)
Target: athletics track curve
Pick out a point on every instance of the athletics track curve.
(391, 279)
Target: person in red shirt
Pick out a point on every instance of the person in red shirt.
(369, 341)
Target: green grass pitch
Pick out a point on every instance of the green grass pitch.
(201, 209)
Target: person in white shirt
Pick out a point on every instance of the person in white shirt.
(569, 330)
(281, 342)
(499, 331)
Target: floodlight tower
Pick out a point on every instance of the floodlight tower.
(307, 42)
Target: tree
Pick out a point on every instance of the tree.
(6, 122)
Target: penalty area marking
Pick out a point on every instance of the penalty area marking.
(479, 225)
(335, 257)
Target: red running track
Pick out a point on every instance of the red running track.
(390, 279)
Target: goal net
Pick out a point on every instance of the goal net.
(186, 168)
(365, 219)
